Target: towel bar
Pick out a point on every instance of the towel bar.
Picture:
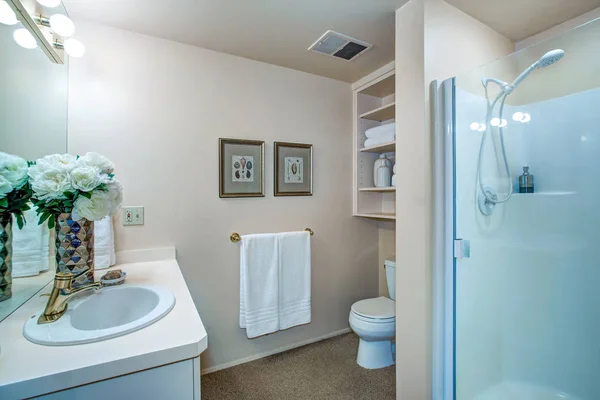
(235, 237)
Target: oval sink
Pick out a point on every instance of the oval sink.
(111, 312)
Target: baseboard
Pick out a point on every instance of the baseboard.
(276, 351)
(145, 255)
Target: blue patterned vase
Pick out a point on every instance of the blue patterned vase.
(75, 247)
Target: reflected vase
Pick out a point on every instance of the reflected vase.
(5, 256)
(74, 247)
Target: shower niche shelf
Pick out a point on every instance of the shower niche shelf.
(546, 193)
(373, 105)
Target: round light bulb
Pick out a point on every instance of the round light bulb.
(495, 121)
(62, 25)
(481, 127)
(503, 123)
(474, 126)
(24, 38)
(518, 116)
(49, 3)
(7, 15)
(74, 47)
(526, 118)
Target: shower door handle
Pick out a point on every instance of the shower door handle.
(462, 248)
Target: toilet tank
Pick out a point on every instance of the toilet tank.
(390, 276)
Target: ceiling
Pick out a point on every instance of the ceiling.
(279, 31)
(519, 19)
(274, 31)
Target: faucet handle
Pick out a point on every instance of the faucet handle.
(69, 276)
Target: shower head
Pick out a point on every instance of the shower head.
(550, 58)
(546, 60)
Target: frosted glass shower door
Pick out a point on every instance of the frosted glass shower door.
(527, 298)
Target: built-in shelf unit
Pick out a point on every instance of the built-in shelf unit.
(373, 106)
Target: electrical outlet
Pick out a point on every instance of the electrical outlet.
(133, 215)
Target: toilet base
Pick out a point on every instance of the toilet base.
(373, 355)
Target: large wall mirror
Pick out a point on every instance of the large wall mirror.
(33, 123)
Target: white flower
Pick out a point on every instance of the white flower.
(14, 170)
(51, 183)
(102, 203)
(97, 160)
(86, 178)
(5, 187)
(115, 190)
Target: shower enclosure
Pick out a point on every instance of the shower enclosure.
(517, 282)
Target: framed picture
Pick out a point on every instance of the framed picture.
(293, 169)
(241, 168)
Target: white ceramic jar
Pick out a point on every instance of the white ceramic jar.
(382, 171)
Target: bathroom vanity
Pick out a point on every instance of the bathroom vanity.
(159, 361)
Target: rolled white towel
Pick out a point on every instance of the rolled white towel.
(381, 130)
(104, 243)
(394, 169)
(374, 142)
(27, 259)
(394, 180)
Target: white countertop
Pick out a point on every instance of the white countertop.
(28, 369)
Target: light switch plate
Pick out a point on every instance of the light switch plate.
(133, 215)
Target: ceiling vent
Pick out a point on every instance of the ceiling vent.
(340, 46)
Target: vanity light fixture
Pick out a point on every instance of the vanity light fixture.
(7, 15)
(24, 38)
(49, 3)
(72, 47)
(60, 24)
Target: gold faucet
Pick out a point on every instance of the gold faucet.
(61, 293)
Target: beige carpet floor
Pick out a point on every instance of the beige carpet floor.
(323, 370)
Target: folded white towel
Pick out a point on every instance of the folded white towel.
(46, 240)
(104, 243)
(376, 141)
(28, 257)
(394, 180)
(381, 130)
(259, 284)
(294, 279)
(394, 169)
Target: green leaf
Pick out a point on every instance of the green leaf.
(51, 222)
(87, 195)
(20, 222)
(4, 202)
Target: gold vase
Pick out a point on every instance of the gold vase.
(5, 256)
(75, 247)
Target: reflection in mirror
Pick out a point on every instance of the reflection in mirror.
(33, 111)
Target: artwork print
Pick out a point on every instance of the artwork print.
(294, 170)
(242, 168)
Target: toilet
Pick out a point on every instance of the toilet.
(374, 321)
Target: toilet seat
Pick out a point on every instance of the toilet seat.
(376, 310)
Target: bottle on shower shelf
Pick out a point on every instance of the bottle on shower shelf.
(526, 181)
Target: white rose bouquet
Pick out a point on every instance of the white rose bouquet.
(83, 186)
(15, 191)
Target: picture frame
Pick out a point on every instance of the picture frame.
(293, 170)
(241, 168)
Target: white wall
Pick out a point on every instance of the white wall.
(157, 108)
(433, 41)
(558, 29)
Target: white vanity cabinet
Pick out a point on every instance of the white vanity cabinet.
(180, 380)
(160, 361)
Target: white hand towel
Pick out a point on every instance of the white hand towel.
(381, 130)
(27, 246)
(374, 142)
(294, 279)
(259, 284)
(394, 169)
(45, 250)
(104, 243)
(394, 180)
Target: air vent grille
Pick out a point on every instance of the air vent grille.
(339, 46)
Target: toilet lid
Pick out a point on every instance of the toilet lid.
(378, 308)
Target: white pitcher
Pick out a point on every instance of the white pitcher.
(382, 171)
